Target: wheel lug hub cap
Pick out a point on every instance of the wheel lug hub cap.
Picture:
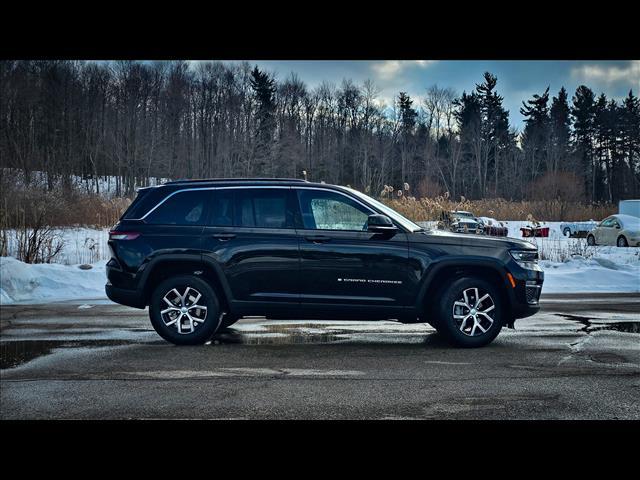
(473, 311)
(183, 309)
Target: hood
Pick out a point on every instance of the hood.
(482, 241)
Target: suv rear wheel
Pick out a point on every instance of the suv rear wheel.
(184, 310)
(469, 312)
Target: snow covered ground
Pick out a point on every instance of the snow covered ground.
(569, 264)
(41, 283)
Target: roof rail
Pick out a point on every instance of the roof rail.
(199, 180)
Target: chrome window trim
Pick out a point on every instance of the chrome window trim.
(246, 187)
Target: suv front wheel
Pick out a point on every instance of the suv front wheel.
(469, 312)
(184, 310)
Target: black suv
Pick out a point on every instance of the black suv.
(203, 253)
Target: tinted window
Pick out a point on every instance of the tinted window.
(322, 210)
(263, 207)
(144, 201)
(185, 208)
(222, 208)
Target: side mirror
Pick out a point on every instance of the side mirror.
(378, 223)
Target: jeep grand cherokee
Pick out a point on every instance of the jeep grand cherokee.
(203, 253)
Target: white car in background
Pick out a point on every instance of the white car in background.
(619, 230)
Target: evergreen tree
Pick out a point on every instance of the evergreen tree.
(494, 131)
(407, 116)
(583, 112)
(560, 132)
(264, 93)
(536, 135)
(468, 117)
(630, 146)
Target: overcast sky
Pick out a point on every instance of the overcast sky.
(517, 80)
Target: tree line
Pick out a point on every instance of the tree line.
(135, 120)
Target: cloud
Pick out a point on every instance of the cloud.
(388, 69)
(609, 74)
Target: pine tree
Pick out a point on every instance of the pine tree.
(494, 131)
(630, 146)
(407, 118)
(536, 135)
(560, 132)
(264, 93)
(583, 112)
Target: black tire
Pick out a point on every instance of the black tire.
(185, 285)
(567, 232)
(445, 323)
(591, 240)
(229, 320)
(622, 241)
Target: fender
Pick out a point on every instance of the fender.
(146, 268)
(217, 271)
(462, 262)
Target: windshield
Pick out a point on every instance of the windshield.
(463, 214)
(405, 222)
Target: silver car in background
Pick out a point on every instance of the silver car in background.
(619, 230)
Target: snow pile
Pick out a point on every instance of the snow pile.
(22, 282)
(596, 274)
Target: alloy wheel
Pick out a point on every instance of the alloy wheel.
(472, 312)
(183, 311)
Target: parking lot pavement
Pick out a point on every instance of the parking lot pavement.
(579, 358)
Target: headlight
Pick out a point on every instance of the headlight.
(525, 258)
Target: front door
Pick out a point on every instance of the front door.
(606, 232)
(343, 264)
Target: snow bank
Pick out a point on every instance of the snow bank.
(24, 283)
(591, 275)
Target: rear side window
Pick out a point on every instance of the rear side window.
(144, 201)
(263, 207)
(183, 208)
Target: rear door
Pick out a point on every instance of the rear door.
(342, 263)
(252, 240)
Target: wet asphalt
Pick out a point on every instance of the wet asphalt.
(579, 358)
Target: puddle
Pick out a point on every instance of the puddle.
(591, 326)
(302, 333)
(14, 353)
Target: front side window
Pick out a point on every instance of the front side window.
(322, 210)
(264, 207)
(607, 222)
(182, 208)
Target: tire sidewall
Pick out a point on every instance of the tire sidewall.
(446, 323)
(203, 332)
(591, 240)
(625, 244)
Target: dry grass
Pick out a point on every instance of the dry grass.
(426, 209)
(23, 208)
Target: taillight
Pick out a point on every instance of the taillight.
(114, 235)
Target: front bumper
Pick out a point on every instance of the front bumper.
(525, 296)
